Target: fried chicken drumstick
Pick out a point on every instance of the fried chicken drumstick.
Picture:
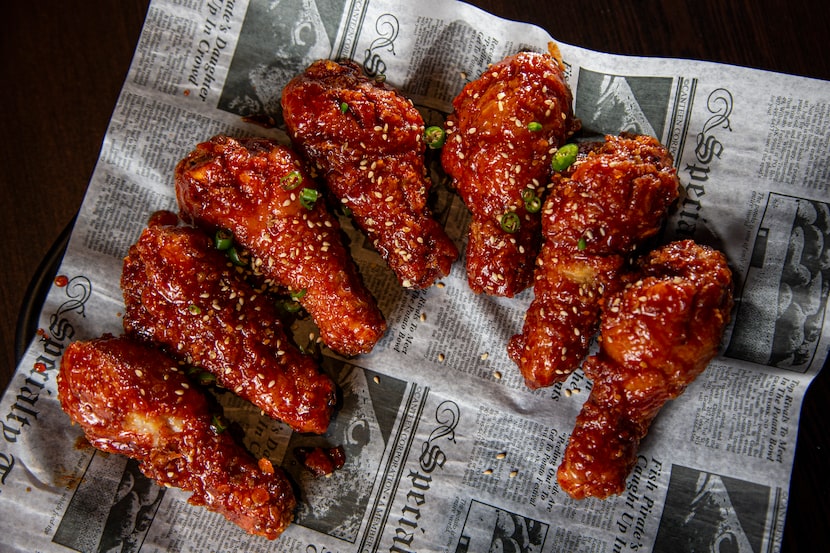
(258, 190)
(598, 211)
(658, 334)
(180, 292)
(129, 399)
(500, 138)
(366, 140)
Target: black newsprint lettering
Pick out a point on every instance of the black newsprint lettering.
(52, 342)
(387, 27)
(24, 407)
(6, 466)
(638, 505)
(708, 148)
(208, 50)
(432, 457)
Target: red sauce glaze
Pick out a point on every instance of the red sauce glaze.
(182, 293)
(241, 185)
(658, 334)
(366, 140)
(130, 399)
(492, 157)
(613, 198)
(321, 461)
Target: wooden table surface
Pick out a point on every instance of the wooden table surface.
(64, 63)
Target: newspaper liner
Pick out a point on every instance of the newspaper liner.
(447, 450)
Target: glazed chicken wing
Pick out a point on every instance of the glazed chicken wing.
(658, 334)
(598, 211)
(130, 399)
(505, 127)
(258, 190)
(184, 294)
(366, 140)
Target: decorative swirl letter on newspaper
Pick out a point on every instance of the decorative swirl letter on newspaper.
(78, 290)
(448, 415)
(708, 147)
(387, 26)
(718, 103)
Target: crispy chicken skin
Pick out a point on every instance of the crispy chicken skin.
(614, 197)
(184, 294)
(658, 334)
(366, 140)
(130, 399)
(253, 188)
(500, 138)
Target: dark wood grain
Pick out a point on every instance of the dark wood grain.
(63, 65)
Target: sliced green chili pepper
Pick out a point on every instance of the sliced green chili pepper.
(289, 306)
(223, 239)
(218, 424)
(510, 222)
(298, 295)
(533, 205)
(308, 197)
(564, 157)
(532, 202)
(344, 107)
(233, 255)
(581, 244)
(291, 181)
(195, 309)
(434, 137)
(203, 377)
(534, 126)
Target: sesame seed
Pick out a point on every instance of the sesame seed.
(514, 473)
(487, 471)
(441, 357)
